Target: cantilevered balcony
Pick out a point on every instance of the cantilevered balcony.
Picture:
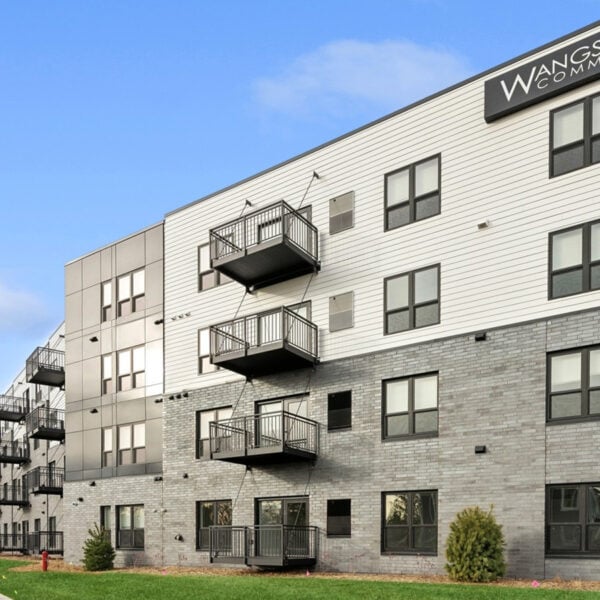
(13, 408)
(51, 541)
(46, 366)
(273, 244)
(270, 438)
(46, 424)
(270, 342)
(264, 545)
(46, 480)
(13, 495)
(16, 452)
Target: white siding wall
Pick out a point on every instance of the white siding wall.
(489, 278)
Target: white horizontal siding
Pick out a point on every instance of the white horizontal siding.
(489, 278)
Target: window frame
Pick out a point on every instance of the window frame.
(411, 412)
(412, 551)
(200, 547)
(587, 140)
(584, 388)
(106, 304)
(132, 528)
(586, 264)
(107, 455)
(347, 533)
(200, 455)
(134, 300)
(219, 278)
(132, 373)
(583, 522)
(137, 456)
(412, 306)
(107, 381)
(331, 397)
(210, 367)
(412, 197)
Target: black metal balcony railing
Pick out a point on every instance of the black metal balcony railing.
(273, 244)
(51, 541)
(264, 545)
(269, 342)
(272, 437)
(13, 542)
(13, 408)
(46, 480)
(14, 495)
(14, 452)
(46, 366)
(46, 424)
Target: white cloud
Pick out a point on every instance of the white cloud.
(347, 76)
(20, 311)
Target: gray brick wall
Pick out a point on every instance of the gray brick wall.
(492, 393)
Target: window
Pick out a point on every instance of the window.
(131, 289)
(409, 522)
(107, 301)
(214, 512)
(573, 519)
(339, 411)
(203, 420)
(204, 364)
(412, 193)
(132, 443)
(574, 384)
(107, 385)
(107, 446)
(575, 136)
(341, 213)
(130, 526)
(338, 518)
(410, 406)
(575, 260)
(106, 521)
(132, 365)
(207, 277)
(341, 313)
(412, 300)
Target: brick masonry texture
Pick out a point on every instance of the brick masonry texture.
(491, 393)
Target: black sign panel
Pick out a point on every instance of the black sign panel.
(543, 78)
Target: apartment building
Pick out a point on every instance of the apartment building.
(32, 453)
(359, 343)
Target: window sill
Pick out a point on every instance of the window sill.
(408, 553)
(333, 536)
(128, 549)
(585, 556)
(570, 420)
(413, 436)
(334, 429)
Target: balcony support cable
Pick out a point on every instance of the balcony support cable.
(314, 176)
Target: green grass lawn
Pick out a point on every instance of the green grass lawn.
(126, 586)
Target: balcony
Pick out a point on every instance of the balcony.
(274, 341)
(46, 424)
(46, 366)
(261, 439)
(273, 244)
(46, 480)
(13, 495)
(13, 409)
(264, 545)
(51, 541)
(13, 542)
(16, 453)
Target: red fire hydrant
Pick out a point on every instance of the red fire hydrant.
(45, 560)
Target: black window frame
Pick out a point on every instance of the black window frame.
(586, 265)
(413, 199)
(204, 545)
(582, 523)
(106, 520)
(200, 454)
(339, 518)
(218, 277)
(587, 140)
(412, 305)
(132, 528)
(411, 412)
(411, 550)
(584, 389)
(340, 398)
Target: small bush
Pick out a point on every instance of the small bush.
(475, 547)
(98, 553)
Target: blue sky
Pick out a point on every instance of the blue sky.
(114, 112)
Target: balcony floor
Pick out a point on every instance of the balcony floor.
(44, 489)
(267, 263)
(46, 433)
(46, 376)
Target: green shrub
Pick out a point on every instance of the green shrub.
(475, 547)
(98, 553)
